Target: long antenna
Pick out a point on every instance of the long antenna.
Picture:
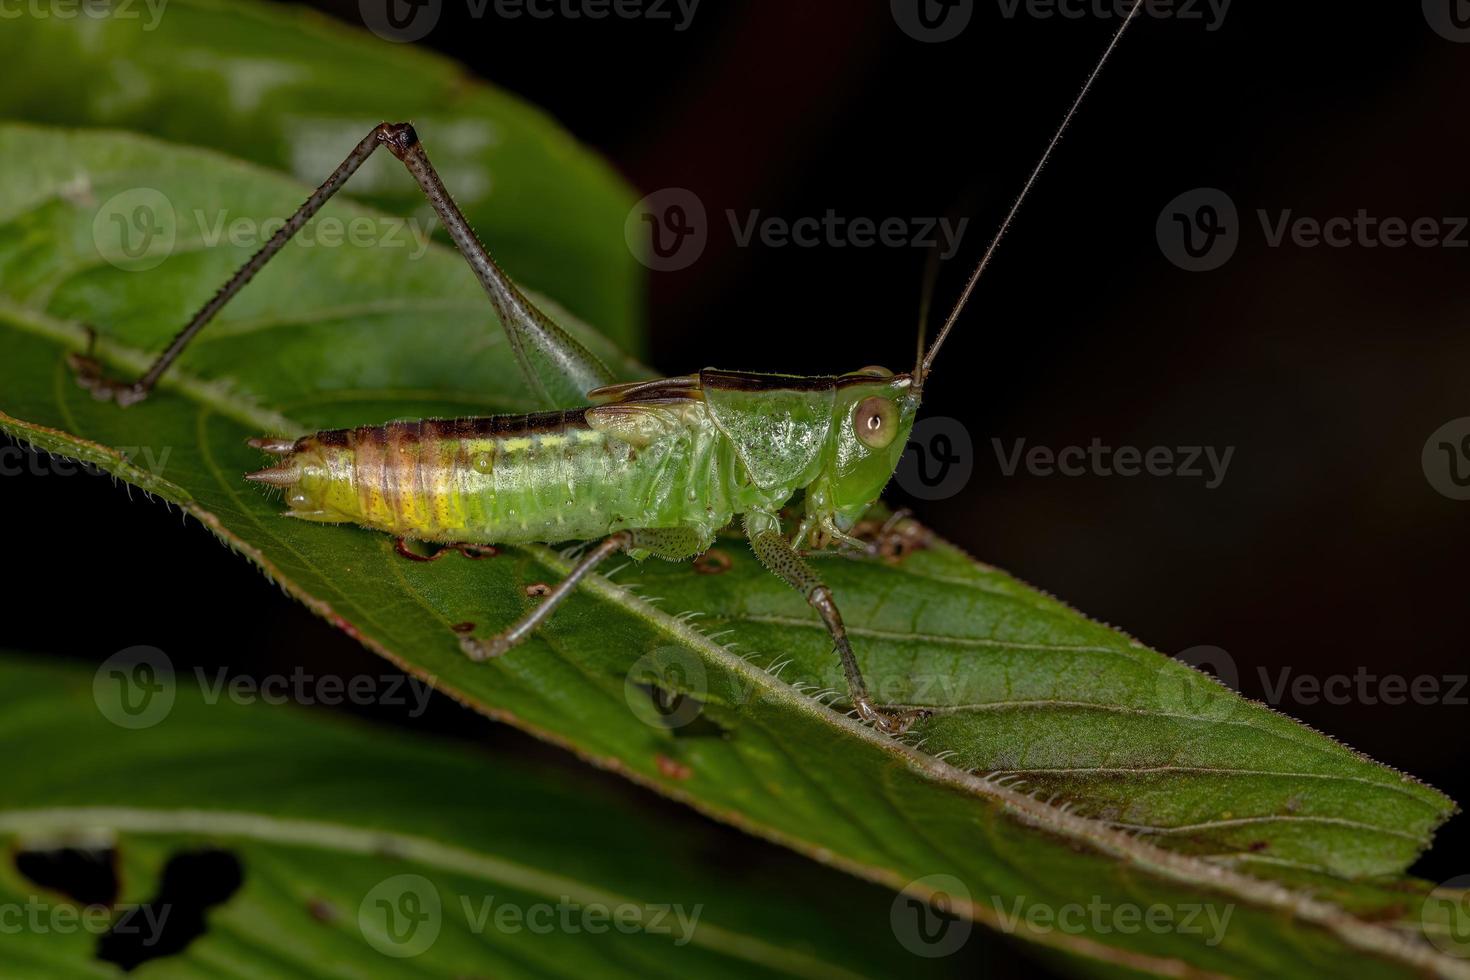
(927, 363)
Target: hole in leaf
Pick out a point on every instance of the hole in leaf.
(86, 875)
(192, 882)
(713, 562)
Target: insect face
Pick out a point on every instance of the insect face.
(870, 429)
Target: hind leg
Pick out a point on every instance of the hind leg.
(556, 367)
(500, 643)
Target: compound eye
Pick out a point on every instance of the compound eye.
(875, 422)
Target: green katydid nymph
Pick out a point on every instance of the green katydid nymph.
(648, 468)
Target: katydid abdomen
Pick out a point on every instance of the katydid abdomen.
(512, 479)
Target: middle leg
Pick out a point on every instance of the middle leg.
(777, 554)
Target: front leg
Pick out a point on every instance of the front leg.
(777, 554)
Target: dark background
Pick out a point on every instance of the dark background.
(1325, 549)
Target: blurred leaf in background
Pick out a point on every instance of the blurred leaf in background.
(229, 839)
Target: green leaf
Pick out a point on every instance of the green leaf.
(298, 799)
(295, 91)
(1165, 789)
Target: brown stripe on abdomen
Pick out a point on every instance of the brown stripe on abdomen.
(469, 427)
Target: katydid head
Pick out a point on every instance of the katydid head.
(872, 417)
